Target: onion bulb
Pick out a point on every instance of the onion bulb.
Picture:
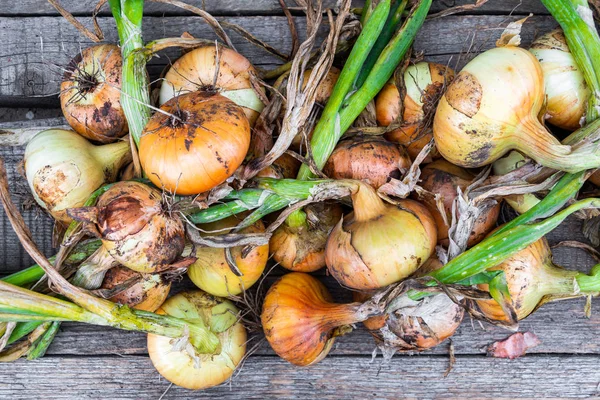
(285, 167)
(302, 247)
(211, 272)
(63, 169)
(370, 159)
(424, 83)
(197, 70)
(183, 366)
(196, 145)
(301, 321)
(567, 93)
(90, 94)
(379, 244)
(147, 294)
(443, 178)
(136, 227)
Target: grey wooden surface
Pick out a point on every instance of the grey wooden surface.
(94, 362)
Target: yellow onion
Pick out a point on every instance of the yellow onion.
(211, 272)
(370, 159)
(136, 227)
(567, 93)
(424, 83)
(63, 169)
(492, 107)
(379, 244)
(301, 321)
(196, 70)
(91, 92)
(595, 178)
(443, 178)
(182, 365)
(302, 248)
(285, 167)
(147, 295)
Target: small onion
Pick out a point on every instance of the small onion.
(211, 272)
(379, 244)
(424, 83)
(63, 169)
(285, 167)
(147, 295)
(193, 370)
(370, 159)
(197, 145)
(91, 92)
(443, 178)
(196, 70)
(567, 93)
(302, 248)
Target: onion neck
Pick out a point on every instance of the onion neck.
(336, 315)
(367, 203)
(554, 280)
(589, 284)
(112, 157)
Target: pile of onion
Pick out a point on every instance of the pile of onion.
(147, 294)
(63, 169)
(90, 94)
(195, 143)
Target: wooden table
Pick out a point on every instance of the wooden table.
(93, 362)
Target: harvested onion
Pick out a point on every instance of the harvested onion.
(63, 169)
(91, 91)
(147, 295)
(285, 167)
(196, 145)
(185, 367)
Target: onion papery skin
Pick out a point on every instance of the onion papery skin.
(530, 275)
(211, 273)
(379, 244)
(302, 248)
(91, 92)
(285, 167)
(325, 87)
(370, 159)
(63, 169)
(178, 366)
(137, 229)
(424, 84)
(195, 71)
(195, 155)
(147, 295)
(567, 93)
(299, 318)
(443, 178)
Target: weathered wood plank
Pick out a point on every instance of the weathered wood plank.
(28, 114)
(34, 48)
(334, 378)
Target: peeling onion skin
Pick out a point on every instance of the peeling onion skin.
(424, 82)
(147, 295)
(136, 229)
(567, 93)
(195, 71)
(302, 248)
(177, 366)
(442, 177)
(195, 155)
(91, 92)
(211, 273)
(370, 159)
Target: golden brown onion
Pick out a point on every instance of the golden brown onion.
(147, 295)
(285, 167)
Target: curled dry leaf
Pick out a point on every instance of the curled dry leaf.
(514, 346)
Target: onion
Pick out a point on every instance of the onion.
(198, 146)
(567, 93)
(63, 169)
(197, 70)
(370, 159)
(443, 178)
(91, 91)
(379, 244)
(183, 366)
(211, 272)
(147, 295)
(136, 227)
(285, 167)
(301, 321)
(424, 83)
(302, 248)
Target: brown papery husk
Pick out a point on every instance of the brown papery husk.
(285, 167)
(147, 295)
(443, 178)
(371, 159)
(303, 248)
